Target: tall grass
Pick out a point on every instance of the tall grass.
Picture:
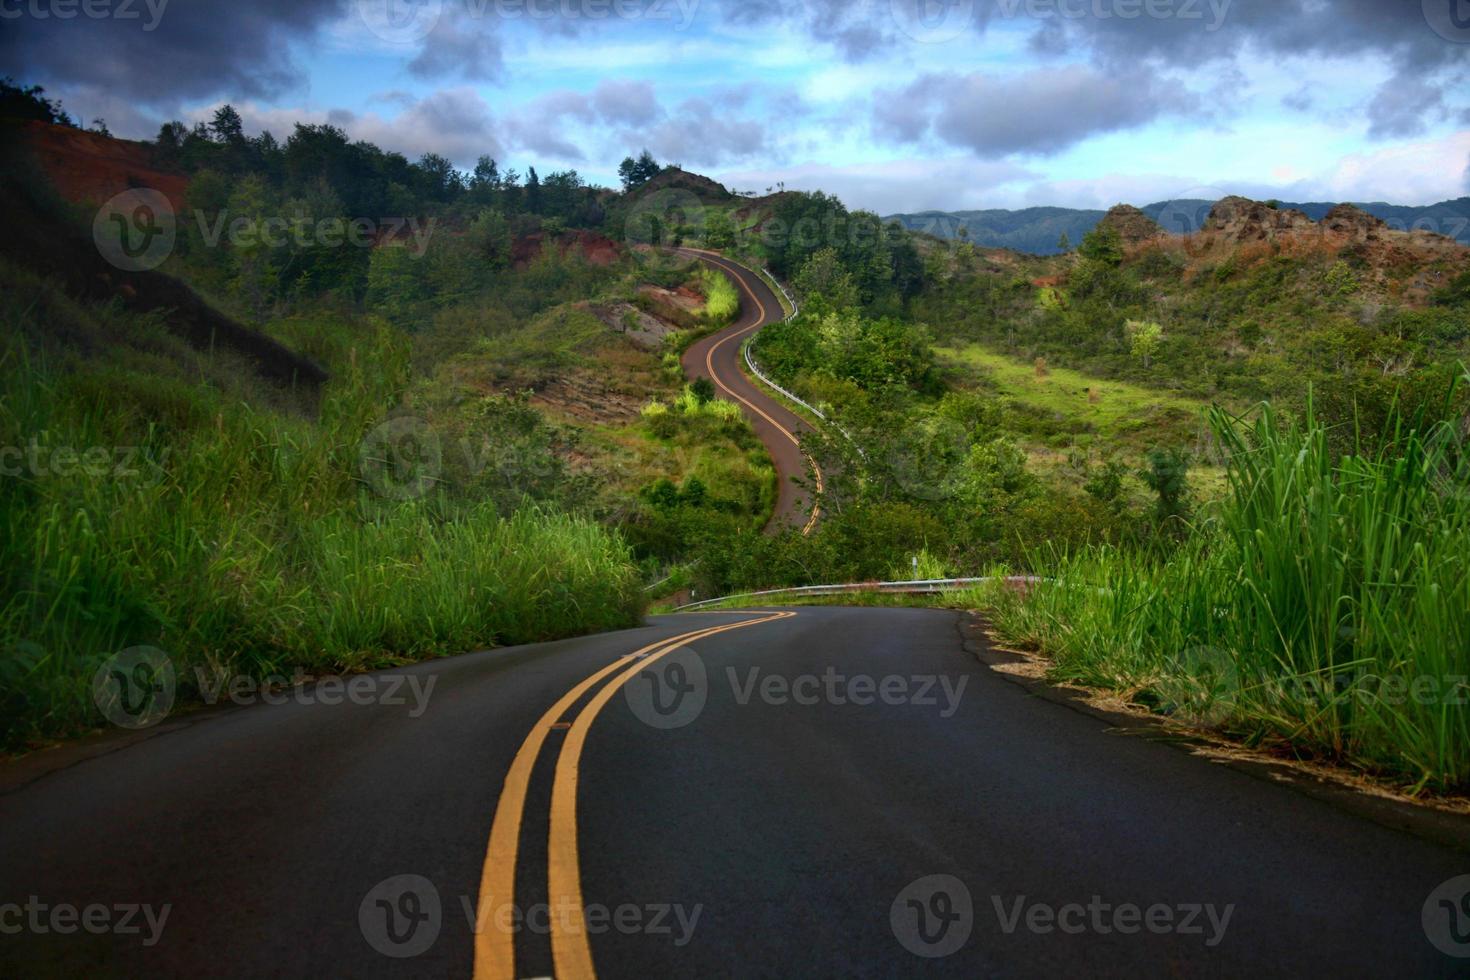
(1326, 607)
(722, 302)
(239, 537)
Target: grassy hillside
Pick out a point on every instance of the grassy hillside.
(164, 499)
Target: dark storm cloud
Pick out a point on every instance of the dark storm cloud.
(1038, 112)
(1119, 35)
(190, 49)
(459, 46)
(1427, 64)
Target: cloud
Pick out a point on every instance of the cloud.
(951, 184)
(455, 123)
(627, 103)
(1042, 111)
(1401, 106)
(699, 133)
(191, 49)
(460, 46)
(1419, 173)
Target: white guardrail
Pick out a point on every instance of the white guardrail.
(921, 587)
(769, 383)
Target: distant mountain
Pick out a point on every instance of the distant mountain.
(1039, 230)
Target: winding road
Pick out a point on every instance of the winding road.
(718, 358)
(817, 792)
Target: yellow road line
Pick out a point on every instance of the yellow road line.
(571, 953)
(709, 363)
(494, 945)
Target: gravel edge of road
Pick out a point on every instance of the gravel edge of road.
(1360, 798)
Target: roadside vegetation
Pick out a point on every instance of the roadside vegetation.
(165, 499)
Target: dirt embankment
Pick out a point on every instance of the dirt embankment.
(92, 168)
(87, 168)
(595, 249)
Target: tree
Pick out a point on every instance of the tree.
(30, 103)
(1167, 475)
(441, 181)
(533, 192)
(227, 127)
(719, 230)
(1064, 244)
(1102, 245)
(1144, 339)
(824, 278)
(636, 173)
(490, 235)
(486, 175)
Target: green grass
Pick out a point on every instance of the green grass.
(1327, 610)
(1121, 411)
(721, 301)
(247, 538)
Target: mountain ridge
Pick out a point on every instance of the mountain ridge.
(1038, 230)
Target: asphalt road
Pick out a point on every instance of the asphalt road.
(774, 799)
(718, 358)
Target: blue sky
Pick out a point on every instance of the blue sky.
(891, 104)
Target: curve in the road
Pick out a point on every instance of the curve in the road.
(717, 357)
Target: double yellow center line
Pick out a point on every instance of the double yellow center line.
(494, 930)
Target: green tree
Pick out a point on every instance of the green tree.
(489, 234)
(719, 230)
(825, 279)
(1144, 339)
(635, 173)
(533, 192)
(227, 127)
(1167, 475)
(1102, 245)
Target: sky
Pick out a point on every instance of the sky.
(893, 105)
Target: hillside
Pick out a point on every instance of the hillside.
(1038, 230)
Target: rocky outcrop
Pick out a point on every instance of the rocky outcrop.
(1131, 224)
(1345, 219)
(1243, 220)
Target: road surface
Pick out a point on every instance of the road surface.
(824, 792)
(718, 358)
